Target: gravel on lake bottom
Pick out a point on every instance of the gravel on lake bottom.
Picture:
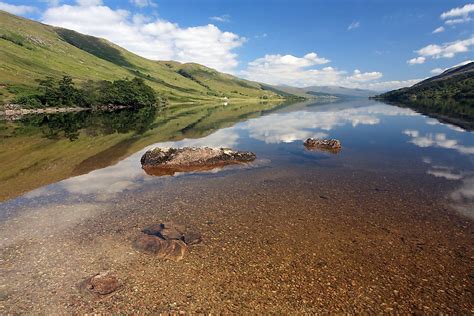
(287, 241)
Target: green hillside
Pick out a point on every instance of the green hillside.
(450, 94)
(30, 50)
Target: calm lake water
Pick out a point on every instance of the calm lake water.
(68, 178)
(375, 136)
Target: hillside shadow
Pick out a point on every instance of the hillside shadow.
(94, 46)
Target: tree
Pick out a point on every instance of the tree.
(50, 93)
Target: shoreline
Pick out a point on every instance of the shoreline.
(48, 110)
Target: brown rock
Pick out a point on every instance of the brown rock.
(331, 145)
(103, 283)
(148, 243)
(191, 238)
(166, 230)
(167, 161)
(171, 249)
(166, 240)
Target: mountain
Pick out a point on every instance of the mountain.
(289, 91)
(339, 91)
(30, 50)
(325, 92)
(449, 95)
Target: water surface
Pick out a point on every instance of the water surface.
(74, 190)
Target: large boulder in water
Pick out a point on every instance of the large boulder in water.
(167, 161)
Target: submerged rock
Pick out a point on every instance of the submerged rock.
(165, 249)
(100, 284)
(167, 161)
(332, 145)
(166, 240)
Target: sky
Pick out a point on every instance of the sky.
(378, 45)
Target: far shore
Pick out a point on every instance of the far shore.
(10, 110)
(18, 110)
(22, 111)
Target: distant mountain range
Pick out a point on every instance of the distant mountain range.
(30, 50)
(450, 94)
(326, 91)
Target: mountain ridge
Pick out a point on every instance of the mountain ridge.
(326, 91)
(30, 51)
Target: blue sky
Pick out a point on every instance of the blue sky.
(366, 44)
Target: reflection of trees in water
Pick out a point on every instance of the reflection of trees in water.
(196, 121)
(70, 125)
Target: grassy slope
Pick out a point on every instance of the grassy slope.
(30, 50)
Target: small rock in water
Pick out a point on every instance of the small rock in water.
(192, 238)
(332, 145)
(166, 240)
(101, 284)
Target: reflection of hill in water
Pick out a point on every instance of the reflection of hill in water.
(44, 149)
(327, 105)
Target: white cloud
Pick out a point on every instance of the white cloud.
(446, 50)
(307, 60)
(89, 3)
(416, 60)
(437, 71)
(439, 140)
(391, 85)
(450, 126)
(17, 9)
(458, 21)
(364, 77)
(458, 15)
(144, 3)
(353, 25)
(300, 72)
(221, 18)
(460, 11)
(150, 37)
(289, 69)
(446, 173)
(463, 197)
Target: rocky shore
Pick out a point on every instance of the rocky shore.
(10, 111)
(17, 110)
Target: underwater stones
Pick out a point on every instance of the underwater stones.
(331, 145)
(164, 249)
(167, 161)
(101, 284)
(192, 238)
(166, 240)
